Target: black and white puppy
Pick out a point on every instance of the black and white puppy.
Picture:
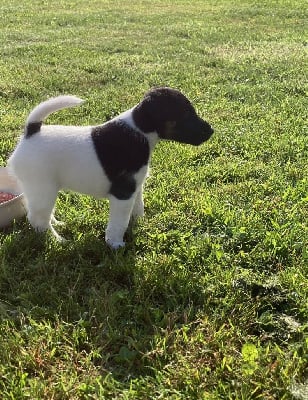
(109, 160)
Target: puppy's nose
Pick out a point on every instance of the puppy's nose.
(209, 129)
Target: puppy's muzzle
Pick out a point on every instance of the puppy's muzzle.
(207, 130)
(200, 131)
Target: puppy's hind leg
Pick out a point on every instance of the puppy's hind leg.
(40, 201)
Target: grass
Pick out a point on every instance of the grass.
(209, 298)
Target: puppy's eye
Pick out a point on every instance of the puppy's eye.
(170, 124)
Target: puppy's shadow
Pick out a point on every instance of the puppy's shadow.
(19, 237)
(83, 280)
(47, 273)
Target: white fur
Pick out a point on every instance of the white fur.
(63, 157)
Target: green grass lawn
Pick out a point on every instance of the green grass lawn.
(209, 298)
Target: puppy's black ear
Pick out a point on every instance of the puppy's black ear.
(145, 115)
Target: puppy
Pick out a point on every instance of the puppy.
(109, 160)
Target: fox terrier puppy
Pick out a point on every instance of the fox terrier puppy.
(109, 160)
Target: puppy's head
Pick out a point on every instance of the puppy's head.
(169, 113)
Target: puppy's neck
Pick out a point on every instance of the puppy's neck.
(129, 117)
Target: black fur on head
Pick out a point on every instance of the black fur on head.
(169, 113)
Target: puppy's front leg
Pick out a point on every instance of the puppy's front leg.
(138, 209)
(119, 215)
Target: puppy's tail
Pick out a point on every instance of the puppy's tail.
(40, 112)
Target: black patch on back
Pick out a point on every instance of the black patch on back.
(122, 151)
(32, 128)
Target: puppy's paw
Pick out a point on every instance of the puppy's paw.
(56, 222)
(55, 234)
(114, 245)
